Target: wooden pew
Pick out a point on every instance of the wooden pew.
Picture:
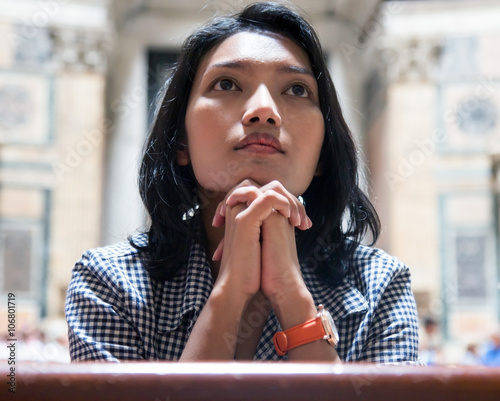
(170, 381)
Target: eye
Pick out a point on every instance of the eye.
(225, 84)
(297, 90)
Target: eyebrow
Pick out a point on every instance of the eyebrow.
(242, 65)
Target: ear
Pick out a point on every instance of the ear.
(183, 158)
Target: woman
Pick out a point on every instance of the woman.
(233, 267)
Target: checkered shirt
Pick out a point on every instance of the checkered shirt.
(116, 312)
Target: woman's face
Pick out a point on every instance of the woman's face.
(254, 113)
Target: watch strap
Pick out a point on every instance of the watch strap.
(301, 334)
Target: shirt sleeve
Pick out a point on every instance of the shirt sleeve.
(393, 335)
(99, 324)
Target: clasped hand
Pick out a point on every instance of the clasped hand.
(258, 251)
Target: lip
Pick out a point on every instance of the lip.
(260, 142)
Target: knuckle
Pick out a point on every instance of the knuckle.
(239, 218)
(269, 195)
(247, 182)
(275, 184)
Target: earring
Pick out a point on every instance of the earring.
(183, 156)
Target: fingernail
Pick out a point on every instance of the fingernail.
(309, 223)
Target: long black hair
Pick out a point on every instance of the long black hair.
(340, 212)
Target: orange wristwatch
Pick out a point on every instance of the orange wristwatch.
(321, 328)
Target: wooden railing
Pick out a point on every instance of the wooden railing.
(248, 381)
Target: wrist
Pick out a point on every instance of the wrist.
(306, 334)
(294, 308)
(289, 284)
(233, 302)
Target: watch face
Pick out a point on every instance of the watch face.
(330, 328)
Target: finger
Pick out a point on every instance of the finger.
(279, 202)
(247, 183)
(305, 222)
(220, 211)
(298, 216)
(219, 217)
(262, 207)
(244, 195)
(295, 215)
(218, 252)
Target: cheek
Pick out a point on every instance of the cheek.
(320, 127)
(309, 128)
(302, 116)
(207, 127)
(317, 126)
(204, 121)
(195, 120)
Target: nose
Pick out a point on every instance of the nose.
(261, 108)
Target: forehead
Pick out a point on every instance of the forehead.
(257, 48)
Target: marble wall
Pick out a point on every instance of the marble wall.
(52, 135)
(431, 151)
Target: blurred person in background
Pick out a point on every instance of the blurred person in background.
(491, 355)
(430, 342)
(472, 355)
